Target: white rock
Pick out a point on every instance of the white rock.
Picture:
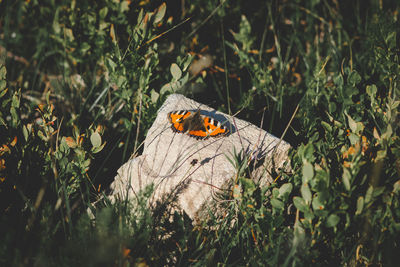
(194, 169)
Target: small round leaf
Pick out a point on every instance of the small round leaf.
(95, 139)
(176, 71)
(332, 220)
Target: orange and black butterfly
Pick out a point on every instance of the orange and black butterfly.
(196, 125)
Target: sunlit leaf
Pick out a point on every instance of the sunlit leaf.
(306, 193)
(396, 186)
(352, 124)
(317, 205)
(176, 71)
(277, 204)
(360, 205)
(166, 88)
(332, 220)
(3, 89)
(154, 96)
(3, 72)
(98, 148)
(371, 90)
(300, 204)
(25, 132)
(70, 142)
(95, 139)
(285, 190)
(346, 177)
(160, 13)
(103, 12)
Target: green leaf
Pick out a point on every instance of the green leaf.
(3, 89)
(300, 204)
(317, 205)
(56, 26)
(380, 155)
(285, 190)
(307, 171)
(277, 204)
(388, 133)
(14, 115)
(248, 185)
(321, 180)
(354, 78)
(354, 138)
(326, 126)
(3, 85)
(275, 193)
(2, 122)
(186, 63)
(306, 193)
(244, 34)
(352, 124)
(338, 80)
(110, 64)
(15, 101)
(309, 215)
(360, 205)
(85, 164)
(3, 72)
(175, 71)
(396, 187)
(332, 220)
(84, 47)
(309, 152)
(140, 17)
(98, 148)
(166, 88)
(160, 13)
(378, 191)
(346, 178)
(154, 96)
(371, 90)
(332, 107)
(390, 40)
(368, 194)
(185, 78)
(42, 135)
(95, 139)
(25, 132)
(103, 12)
(395, 104)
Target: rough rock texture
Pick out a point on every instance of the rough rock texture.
(196, 169)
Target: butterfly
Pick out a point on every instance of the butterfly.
(196, 125)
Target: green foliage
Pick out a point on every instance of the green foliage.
(43, 173)
(80, 83)
(178, 80)
(348, 200)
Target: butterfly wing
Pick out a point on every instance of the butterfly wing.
(211, 127)
(198, 134)
(215, 128)
(176, 118)
(196, 126)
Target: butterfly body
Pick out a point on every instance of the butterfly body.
(195, 124)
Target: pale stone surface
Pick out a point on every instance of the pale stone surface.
(196, 169)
